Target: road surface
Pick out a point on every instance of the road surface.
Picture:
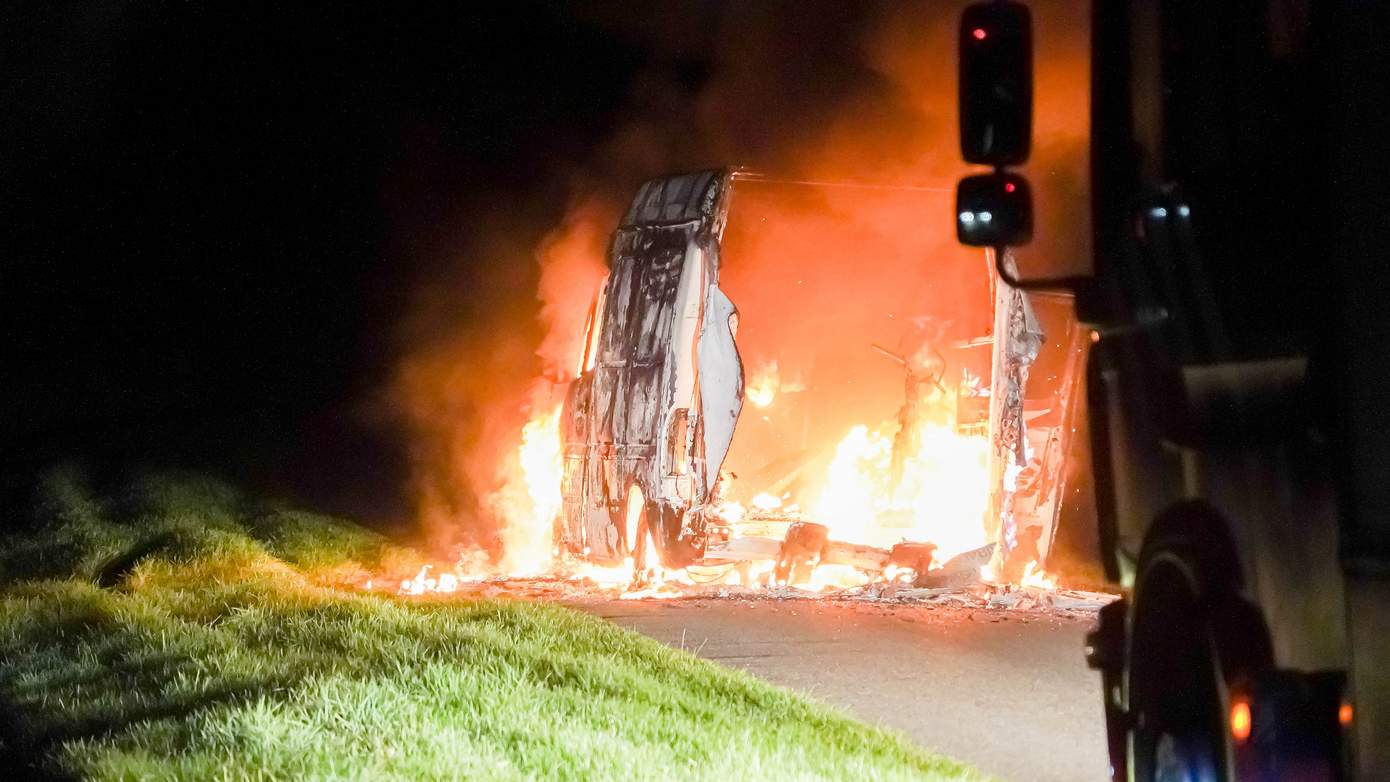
(1010, 694)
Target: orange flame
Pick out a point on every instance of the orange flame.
(767, 501)
(528, 537)
(1035, 576)
(942, 496)
(763, 387)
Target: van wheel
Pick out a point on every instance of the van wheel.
(676, 551)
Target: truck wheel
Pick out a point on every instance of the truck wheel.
(1191, 635)
(1175, 696)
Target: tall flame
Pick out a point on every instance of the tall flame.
(528, 537)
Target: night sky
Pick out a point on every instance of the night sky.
(213, 218)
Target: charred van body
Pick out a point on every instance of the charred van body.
(649, 420)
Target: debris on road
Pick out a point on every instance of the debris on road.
(989, 597)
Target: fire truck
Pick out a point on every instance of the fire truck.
(1236, 385)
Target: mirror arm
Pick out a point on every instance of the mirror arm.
(1054, 284)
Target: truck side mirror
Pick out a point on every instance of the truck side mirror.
(994, 210)
(996, 83)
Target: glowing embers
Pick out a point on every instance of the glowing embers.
(566, 577)
(1241, 720)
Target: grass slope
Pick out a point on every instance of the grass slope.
(180, 630)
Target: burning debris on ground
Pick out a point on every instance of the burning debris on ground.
(578, 582)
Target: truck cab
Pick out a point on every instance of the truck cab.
(1236, 302)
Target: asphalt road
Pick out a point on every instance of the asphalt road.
(1010, 694)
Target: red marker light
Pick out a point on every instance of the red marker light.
(1240, 720)
(979, 33)
(1009, 187)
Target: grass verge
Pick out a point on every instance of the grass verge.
(178, 630)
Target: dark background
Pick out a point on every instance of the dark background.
(214, 218)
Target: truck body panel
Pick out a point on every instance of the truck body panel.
(1243, 328)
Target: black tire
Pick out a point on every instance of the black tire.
(1176, 697)
(1191, 635)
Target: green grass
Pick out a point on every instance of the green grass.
(179, 630)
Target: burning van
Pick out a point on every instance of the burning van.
(888, 431)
